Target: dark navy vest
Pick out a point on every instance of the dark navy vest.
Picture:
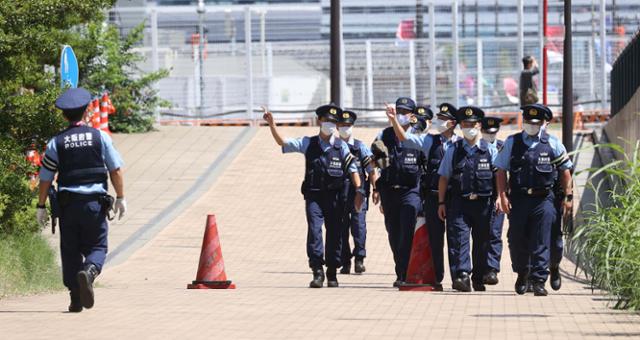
(362, 161)
(531, 168)
(472, 174)
(80, 157)
(432, 162)
(323, 170)
(404, 168)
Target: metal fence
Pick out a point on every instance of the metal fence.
(625, 76)
(242, 69)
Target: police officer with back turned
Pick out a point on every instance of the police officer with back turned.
(328, 164)
(531, 158)
(84, 159)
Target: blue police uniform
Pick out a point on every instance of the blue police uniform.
(470, 173)
(355, 221)
(531, 162)
(82, 157)
(324, 183)
(433, 148)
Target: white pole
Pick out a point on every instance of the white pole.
(541, 65)
(155, 60)
(343, 65)
(249, 61)
(480, 80)
(456, 54)
(432, 54)
(369, 74)
(603, 50)
(269, 73)
(263, 41)
(592, 69)
(412, 70)
(520, 29)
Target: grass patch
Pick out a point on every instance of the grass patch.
(608, 242)
(27, 265)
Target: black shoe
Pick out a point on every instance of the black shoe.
(556, 279)
(479, 286)
(76, 305)
(85, 283)
(538, 289)
(332, 279)
(437, 287)
(462, 283)
(318, 278)
(522, 283)
(359, 265)
(490, 278)
(346, 269)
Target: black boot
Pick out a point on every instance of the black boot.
(491, 278)
(85, 279)
(346, 268)
(522, 283)
(332, 279)
(538, 289)
(76, 305)
(462, 283)
(556, 279)
(478, 286)
(359, 265)
(318, 278)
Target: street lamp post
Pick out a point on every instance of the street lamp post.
(201, 12)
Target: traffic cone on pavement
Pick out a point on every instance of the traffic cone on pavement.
(95, 118)
(104, 113)
(211, 274)
(420, 274)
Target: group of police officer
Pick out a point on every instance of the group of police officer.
(458, 183)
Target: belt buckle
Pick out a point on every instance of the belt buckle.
(473, 197)
(530, 191)
(396, 187)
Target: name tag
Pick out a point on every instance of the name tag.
(410, 160)
(335, 163)
(544, 160)
(484, 166)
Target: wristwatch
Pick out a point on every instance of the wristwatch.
(568, 198)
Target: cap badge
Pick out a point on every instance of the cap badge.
(444, 108)
(421, 110)
(404, 100)
(490, 122)
(345, 115)
(468, 112)
(533, 112)
(333, 111)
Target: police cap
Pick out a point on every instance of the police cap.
(491, 124)
(447, 110)
(405, 103)
(536, 112)
(424, 111)
(331, 112)
(73, 99)
(470, 114)
(347, 117)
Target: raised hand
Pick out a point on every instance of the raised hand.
(267, 116)
(391, 111)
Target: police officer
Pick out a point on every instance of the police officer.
(84, 159)
(490, 128)
(328, 163)
(466, 176)
(531, 157)
(399, 187)
(355, 220)
(433, 148)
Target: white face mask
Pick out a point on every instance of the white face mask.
(531, 129)
(440, 125)
(489, 137)
(470, 133)
(345, 131)
(404, 120)
(328, 128)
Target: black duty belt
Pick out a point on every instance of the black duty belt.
(474, 197)
(533, 192)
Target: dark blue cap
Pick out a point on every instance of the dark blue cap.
(491, 124)
(73, 99)
(331, 112)
(447, 110)
(424, 111)
(470, 114)
(348, 117)
(405, 103)
(536, 113)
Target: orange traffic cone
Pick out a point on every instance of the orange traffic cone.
(95, 118)
(104, 114)
(211, 273)
(420, 274)
(88, 114)
(112, 109)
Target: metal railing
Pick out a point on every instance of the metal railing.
(625, 75)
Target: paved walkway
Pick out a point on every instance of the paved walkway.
(261, 220)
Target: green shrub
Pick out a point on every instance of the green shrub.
(608, 242)
(27, 265)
